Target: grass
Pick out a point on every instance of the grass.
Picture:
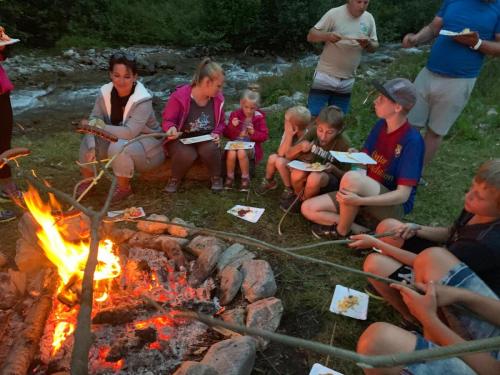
(305, 289)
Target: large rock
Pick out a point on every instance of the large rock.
(234, 256)
(200, 244)
(178, 231)
(30, 258)
(195, 368)
(153, 227)
(230, 283)
(235, 316)
(258, 280)
(264, 314)
(204, 265)
(232, 357)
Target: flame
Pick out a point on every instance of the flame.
(68, 257)
(63, 330)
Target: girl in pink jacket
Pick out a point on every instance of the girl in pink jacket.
(248, 124)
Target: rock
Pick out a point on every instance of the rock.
(173, 250)
(121, 235)
(153, 227)
(199, 244)
(195, 368)
(298, 97)
(230, 283)
(285, 102)
(234, 256)
(71, 54)
(258, 280)
(232, 357)
(235, 316)
(264, 314)
(176, 230)
(29, 258)
(492, 112)
(204, 265)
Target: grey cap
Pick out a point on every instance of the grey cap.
(399, 90)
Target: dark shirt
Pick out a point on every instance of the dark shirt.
(200, 120)
(118, 104)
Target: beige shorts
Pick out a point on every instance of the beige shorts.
(370, 216)
(440, 100)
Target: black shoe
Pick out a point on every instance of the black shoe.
(291, 204)
(327, 232)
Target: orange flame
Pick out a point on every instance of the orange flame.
(68, 257)
(63, 330)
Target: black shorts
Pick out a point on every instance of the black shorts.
(416, 244)
(332, 185)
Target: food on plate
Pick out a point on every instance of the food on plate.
(133, 212)
(315, 166)
(237, 145)
(242, 212)
(346, 303)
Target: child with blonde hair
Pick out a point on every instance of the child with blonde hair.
(246, 124)
(296, 124)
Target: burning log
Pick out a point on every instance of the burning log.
(119, 315)
(23, 351)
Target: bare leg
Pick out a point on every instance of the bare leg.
(384, 338)
(230, 163)
(361, 185)
(244, 163)
(433, 264)
(432, 143)
(314, 182)
(320, 210)
(384, 266)
(271, 166)
(282, 167)
(388, 225)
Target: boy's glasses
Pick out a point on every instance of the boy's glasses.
(123, 56)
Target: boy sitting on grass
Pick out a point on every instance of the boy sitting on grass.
(297, 120)
(389, 187)
(246, 124)
(473, 240)
(328, 136)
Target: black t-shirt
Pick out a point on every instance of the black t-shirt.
(478, 246)
(118, 104)
(200, 120)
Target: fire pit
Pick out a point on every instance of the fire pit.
(157, 261)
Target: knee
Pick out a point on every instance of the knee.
(314, 179)
(433, 264)
(231, 155)
(379, 264)
(388, 225)
(280, 162)
(307, 209)
(242, 155)
(374, 338)
(351, 181)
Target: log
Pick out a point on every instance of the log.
(26, 345)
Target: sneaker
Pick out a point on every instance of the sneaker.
(120, 195)
(172, 185)
(229, 183)
(287, 193)
(217, 185)
(245, 184)
(327, 232)
(265, 186)
(291, 205)
(6, 215)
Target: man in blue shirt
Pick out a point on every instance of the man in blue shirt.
(465, 31)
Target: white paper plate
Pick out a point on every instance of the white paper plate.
(239, 145)
(251, 214)
(453, 33)
(8, 42)
(307, 167)
(358, 311)
(353, 157)
(318, 369)
(200, 138)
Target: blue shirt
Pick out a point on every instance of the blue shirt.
(452, 59)
(399, 156)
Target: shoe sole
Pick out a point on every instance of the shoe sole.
(316, 235)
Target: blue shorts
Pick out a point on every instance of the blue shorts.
(468, 326)
(318, 99)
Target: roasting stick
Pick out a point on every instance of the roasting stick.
(361, 360)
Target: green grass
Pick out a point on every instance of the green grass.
(305, 289)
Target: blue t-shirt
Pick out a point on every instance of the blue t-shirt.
(399, 156)
(452, 59)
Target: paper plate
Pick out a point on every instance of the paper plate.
(200, 138)
(318, 369)
(239, 145)
(349, 302)
(8, 42)
(307, 167)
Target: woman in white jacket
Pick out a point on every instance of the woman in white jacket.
(123, 108)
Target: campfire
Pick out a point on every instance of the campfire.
(156, 264)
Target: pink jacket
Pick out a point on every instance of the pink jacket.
(5, 84)
(261, 133)
(176, 110)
